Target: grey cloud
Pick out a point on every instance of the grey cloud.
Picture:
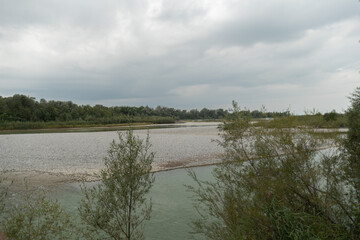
(92, 55)
(47, 12)
(279, 21)
(172, 12)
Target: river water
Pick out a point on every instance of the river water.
(172, 205)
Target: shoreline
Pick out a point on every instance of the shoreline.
(114, 127)
(42, 179)
(16, 180)
(52, 177)
(37, 177)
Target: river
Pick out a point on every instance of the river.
(172, 205)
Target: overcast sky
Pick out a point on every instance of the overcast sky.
(283, 54)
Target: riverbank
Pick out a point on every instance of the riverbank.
(55, 158)
(111, 127)
(41, 179)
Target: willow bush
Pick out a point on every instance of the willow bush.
(117, 207)
(32, 215)
(275, 183)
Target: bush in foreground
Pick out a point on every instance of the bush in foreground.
(34, 216)
(117, 208)
(274, 183)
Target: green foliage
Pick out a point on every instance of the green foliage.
(34, 216)
(331, 116)
(274, 183)
(352, 141)
(288, 224)
(314, 120)
(3, 195)
(117, 208)
(23, 112)
(328, 120)
(89, 123)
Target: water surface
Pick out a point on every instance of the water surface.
(173, 209)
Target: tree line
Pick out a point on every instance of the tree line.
(21, 108)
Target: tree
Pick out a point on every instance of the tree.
(117, 207)
(331, 116)
(274, 183)
(352, 142)
(34, 216)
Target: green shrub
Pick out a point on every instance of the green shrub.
(34, 216)
(275, 184)
(117, 207)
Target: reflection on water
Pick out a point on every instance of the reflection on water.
(172, 204)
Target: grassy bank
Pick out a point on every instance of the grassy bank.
(101, 122)
(313, 121)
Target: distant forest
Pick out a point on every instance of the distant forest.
(20, 109)
(24, 108)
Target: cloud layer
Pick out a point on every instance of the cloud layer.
(184, 54)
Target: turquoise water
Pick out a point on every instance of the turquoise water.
(172, 204)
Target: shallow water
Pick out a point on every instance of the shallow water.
(172, 204)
